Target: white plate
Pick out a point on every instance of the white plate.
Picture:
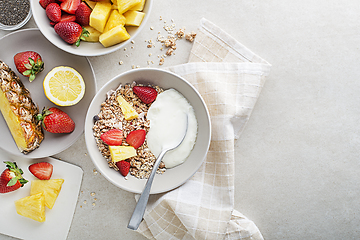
(58, 219)
(85, 48)
(32, 39)
(173, 177)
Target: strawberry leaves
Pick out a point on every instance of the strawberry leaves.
(33, 68)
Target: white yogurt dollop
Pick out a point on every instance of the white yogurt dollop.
(167, 121)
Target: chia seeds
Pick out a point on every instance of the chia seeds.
(13, 12)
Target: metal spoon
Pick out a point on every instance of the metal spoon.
(139, 210)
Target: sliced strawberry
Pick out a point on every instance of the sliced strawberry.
(124, 167)
(146, 94)
(70, 6)
(83, 14)
(65, 17)
(136, 138)
(45, 3)
(53, 12)
(11, 178)
(112, 137)
(41, 170)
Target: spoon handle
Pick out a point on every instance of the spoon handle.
(141, 204)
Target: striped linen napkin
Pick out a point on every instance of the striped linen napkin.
(230, 78)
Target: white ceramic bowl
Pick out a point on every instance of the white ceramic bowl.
(173, 177)
(85, 48)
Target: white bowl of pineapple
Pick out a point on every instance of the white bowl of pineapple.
(125, 19)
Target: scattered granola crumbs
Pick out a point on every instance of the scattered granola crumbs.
(93, 204)
(137, 66)
(160, 18)
(161, 61)
(133, 66)
(190, 36)
(85, 202)
(170, 51)
(124, 49)
(127, 55)
(92, 194)
(126, 177)
(80, 206)
(132, 41)
(151, 28)
(121, 63)
(132, 47)
(95, 199)
(150, 54)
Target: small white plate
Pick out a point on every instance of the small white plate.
(85, 48)
(58, 219)
(32, 39)
(173, 177)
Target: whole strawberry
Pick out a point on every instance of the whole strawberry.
(53, 12)
(56, 121)
(146, 94)
(11, 178)
(29, 63)
(71, 32)
(83, 14)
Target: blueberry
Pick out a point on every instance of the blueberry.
(96, 118)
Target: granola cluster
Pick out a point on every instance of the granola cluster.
(111, 116)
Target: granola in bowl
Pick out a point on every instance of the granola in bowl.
(111, 117)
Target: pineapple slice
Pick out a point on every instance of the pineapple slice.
(19, 111)
(139, 6)
(32, 207)
(119, 153)
(93, 36)
(128, 111)
(51, 189)
(133, 18)
(124, 5)
(100, 15)
(114, 20)
(114, 36)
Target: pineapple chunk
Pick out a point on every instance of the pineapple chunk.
(91, 4)
(133, 18)
(114, 36)
(119, 153)
(93, 36)
(124, 5)
(139, 6)
(100, 15)
(114, 20)
(51, 189)
(128, 111)
(32, 207)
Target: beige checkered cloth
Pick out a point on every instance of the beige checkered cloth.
(230, 78)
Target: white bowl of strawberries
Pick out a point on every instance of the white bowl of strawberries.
(120, 111)
(90, 27)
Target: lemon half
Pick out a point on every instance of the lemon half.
(64, 86)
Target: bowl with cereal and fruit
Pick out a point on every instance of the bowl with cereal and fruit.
(91, 27)
(133, 115)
